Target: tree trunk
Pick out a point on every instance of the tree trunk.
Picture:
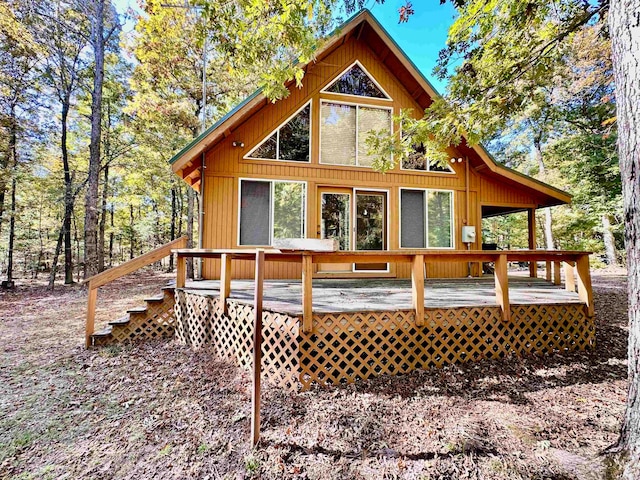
(12, 217)
(68, 195)
(172, 233)
(549, 241)
(132, 238)
(103, 219)
(609, 240)
(111, 234)
(54, 262)
(91, 196)
(190, 214)
(624, 25)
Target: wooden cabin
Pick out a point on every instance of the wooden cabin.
(299, 168)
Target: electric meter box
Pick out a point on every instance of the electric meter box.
(468, 234)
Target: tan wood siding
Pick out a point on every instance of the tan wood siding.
(225, 166)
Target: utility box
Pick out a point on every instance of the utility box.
(469, 234)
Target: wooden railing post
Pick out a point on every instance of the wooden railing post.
(417, 288)
(225, 280)
(584, 283)
(91, 314)
(547, 270)
(181, 271)
(557, 273)
(569, 277)
(307, 293)
(257, 347)
(502, 286)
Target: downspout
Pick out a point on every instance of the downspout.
(466, 199)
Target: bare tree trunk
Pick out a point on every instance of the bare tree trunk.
(91, 196)
(190, 217)
(68, 196)
(172, 232)
(609, 240)
(111, 235)
(103, 219)
(624, 25)
(549, 241)
(132, 238)
(54, 261)
(13, 161)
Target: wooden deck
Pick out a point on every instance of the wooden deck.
(333, 296)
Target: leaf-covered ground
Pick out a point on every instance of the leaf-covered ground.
(160, 410)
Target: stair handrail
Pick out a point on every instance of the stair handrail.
(121, 270)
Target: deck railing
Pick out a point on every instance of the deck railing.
(121, 270)
(417, 258)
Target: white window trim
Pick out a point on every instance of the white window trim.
(371, 77)
(272, 183)
(277, 132)
(428, 164)
(357, 105)
(426, 218)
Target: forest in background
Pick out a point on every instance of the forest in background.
(84, 176)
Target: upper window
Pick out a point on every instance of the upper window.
(357, 81)
(417, 160)
(289, 142)
(344, 129)
(271, 209)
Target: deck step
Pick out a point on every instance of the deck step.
(137, 310)
(105, 332)
(157, 299)
(120, 321)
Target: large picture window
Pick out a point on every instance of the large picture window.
(426, 218)
(271, 209)
(344, 129)
(289, 142)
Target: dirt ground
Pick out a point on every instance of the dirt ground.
(160, 410)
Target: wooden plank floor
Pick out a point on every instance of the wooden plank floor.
(346, 295)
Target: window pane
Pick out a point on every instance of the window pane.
(294, 137)
(267, 150)
(336, 218)
(255, 201)
(356, 82)
(370, 119)
(440, 221)
(288, 210)
(338, 134)
(416, 159)
(412, 219)
(436, 167)
(370, 222)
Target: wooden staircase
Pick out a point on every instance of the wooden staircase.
(155, 320)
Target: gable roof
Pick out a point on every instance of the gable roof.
(365, 26)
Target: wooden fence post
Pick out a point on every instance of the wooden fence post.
(502, 286)
(257, 347)
(584, 283)
(91, 314)
(307, 293)
(417, 288)
(569, 277)
(556, 273)
(225, 280)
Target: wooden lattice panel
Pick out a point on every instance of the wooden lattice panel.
(158, 321)
(348, 346)
(201, 321)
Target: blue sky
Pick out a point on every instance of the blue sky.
(421, 38)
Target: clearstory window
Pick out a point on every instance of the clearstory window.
(344, 129)
(418, 160)
(426, 218)
(356, 81)
(271, 209)
(289, 142)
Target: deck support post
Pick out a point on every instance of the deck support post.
(584, 283)
(557, 273)
(181, 271)
(502, 286)
(307, 293)
(225, 280)
(91, 314)
(531, 217)
(569, 277)
(417, 288)
(547, 270)
(257, 347)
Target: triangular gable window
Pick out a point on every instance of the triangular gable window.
(289, 142)
(356, 81)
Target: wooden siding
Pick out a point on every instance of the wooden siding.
(225, 166)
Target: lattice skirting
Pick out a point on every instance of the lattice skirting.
(358, 345)
(156, 322)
